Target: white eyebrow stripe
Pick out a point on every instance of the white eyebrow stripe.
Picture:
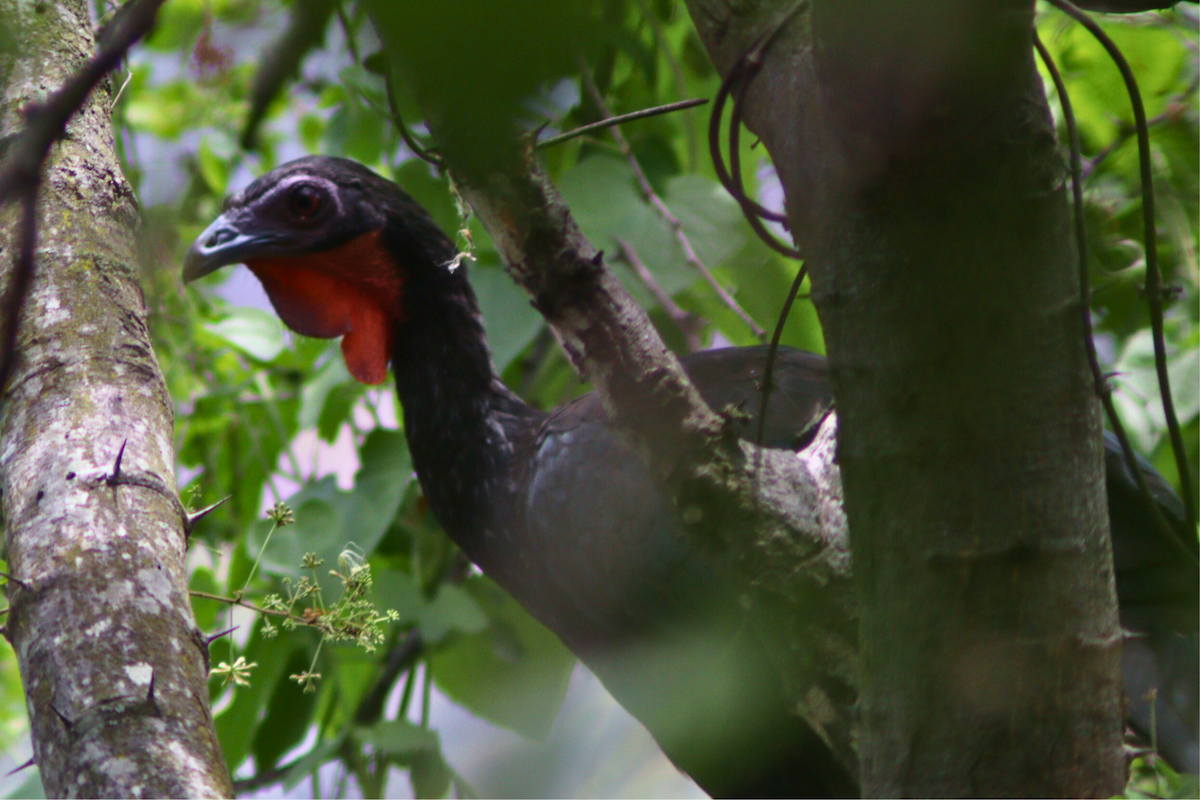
(330, 187)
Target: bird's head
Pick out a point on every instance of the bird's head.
(334, 245)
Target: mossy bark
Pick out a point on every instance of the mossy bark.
(923, 182)
(113, 664)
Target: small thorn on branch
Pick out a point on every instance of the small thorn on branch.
(208, 640)
(190, 519)
(62, 717)
(11, 579)
(15, 770)
(115, 478)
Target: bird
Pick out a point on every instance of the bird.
(559, 511)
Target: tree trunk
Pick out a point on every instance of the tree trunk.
(113, 665)
(921, 173)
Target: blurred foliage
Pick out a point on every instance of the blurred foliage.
(1162, 49)
(257, 406)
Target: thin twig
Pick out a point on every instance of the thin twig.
(736, 82)
(233, 601)
(120, 92)
(11, 579)
(689, 252)
(609, 121)
(1103, 388)
(735, 168)
(749, 206)
(769, 369)
(282, 59)
(741, 73)
(685, 321)
(1154, 291)
(405, 134)
(351, 44)
(257, 781)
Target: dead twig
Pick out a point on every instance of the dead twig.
(610, 121)
(405, 134)
(687, 323)
(651, 197)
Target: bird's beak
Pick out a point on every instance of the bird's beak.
(222, 243)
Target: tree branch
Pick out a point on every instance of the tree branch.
(45, 124)
(118, 696)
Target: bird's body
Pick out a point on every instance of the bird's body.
(555, 507)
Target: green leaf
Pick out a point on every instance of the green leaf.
(399, 592)
(329, 520)
(430, 775)
(452, 609)
(514, 673)
(356, 131)
(317, 529)
(399, 738)
(214, 168)
(289, 713)
(317, 390)
(710, 217)
(431, 190)
(378, 487)
(337, 409)
(256, 332)
(510, 320)
(203, 580)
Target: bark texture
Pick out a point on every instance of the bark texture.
(922, 179)
(113, 665)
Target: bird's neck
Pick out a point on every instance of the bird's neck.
(463, 425)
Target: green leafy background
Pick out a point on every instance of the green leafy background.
(264, 416)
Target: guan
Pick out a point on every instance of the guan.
(557, 509)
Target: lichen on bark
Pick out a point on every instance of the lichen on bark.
(113, 665)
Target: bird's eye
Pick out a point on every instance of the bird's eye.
(305, 201)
